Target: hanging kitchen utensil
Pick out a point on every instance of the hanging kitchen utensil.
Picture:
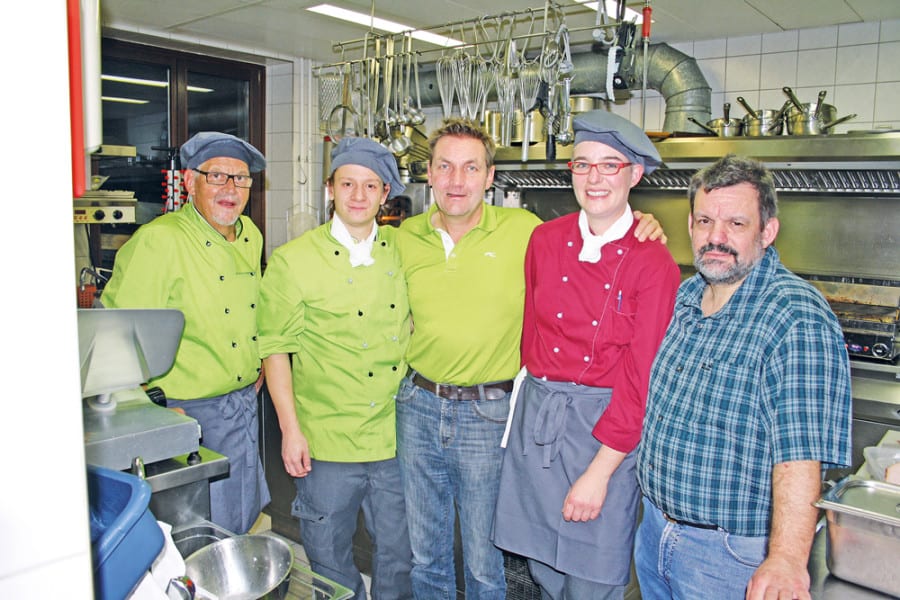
(414, 114)
(329, 95)
(417, 117)
(444, 71)
(343, 120)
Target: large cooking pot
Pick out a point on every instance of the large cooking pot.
(762, 122)
(815, 118)
(243, 567)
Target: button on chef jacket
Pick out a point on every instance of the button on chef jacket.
(179, 261)
(348, 329)
(598, 324)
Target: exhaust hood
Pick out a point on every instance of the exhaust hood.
(851, 163)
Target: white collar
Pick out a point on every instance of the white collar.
(360, 252)
(592, 244)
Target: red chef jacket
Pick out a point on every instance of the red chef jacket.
(598, 324)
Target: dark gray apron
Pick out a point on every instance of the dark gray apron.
(550, 446)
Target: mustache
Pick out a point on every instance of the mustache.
(718, 248)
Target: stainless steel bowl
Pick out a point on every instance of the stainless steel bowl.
(243, 567)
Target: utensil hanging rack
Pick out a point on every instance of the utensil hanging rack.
(365, 45)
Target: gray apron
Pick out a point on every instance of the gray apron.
(229, 425)
(550, 446)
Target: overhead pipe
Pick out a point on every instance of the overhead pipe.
(672, 73)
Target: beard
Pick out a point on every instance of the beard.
(717, 272)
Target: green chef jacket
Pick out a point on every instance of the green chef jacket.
(347, 329)
(179, 261)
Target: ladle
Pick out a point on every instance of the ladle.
(416, 116)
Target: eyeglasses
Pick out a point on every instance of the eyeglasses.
(580, 167)
(216, 178)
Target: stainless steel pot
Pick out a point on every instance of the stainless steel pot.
(762, 122)
(815, 118)
(720, 127)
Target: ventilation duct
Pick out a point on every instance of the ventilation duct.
(672, 73)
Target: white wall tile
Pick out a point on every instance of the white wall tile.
(859, 99)
(783, 41)
(822, 37)
(778, 70)
(851, 34)
(685, 47)
(856, 64)
(710, 49)
(887, 106)
(280, 89)
(713, 70)
(742, 73)
(771, 99)
(280, 147)
(889, 62)
(741, 46)
(890, 31)
(282, 118)
(816, 67)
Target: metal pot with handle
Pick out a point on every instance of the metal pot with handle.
(720, 127)
(762, 122)
(816, 118)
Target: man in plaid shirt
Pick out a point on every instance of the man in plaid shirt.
(749, 401)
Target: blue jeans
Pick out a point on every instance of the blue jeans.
(450, 452)
(683, 563)
(328, 503)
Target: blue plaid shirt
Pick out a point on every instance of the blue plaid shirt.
(765, 380)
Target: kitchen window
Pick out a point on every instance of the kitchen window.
(154, 99)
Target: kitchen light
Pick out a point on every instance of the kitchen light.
(150, 83)
(123, 100)
(330, 10)
(611, 10)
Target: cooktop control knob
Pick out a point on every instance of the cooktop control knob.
(118, 214)
(880, 350)
(99, 215)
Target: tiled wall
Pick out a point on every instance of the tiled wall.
(857, 65)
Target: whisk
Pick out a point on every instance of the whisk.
(444, 72)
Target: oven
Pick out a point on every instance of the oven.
(839, 206)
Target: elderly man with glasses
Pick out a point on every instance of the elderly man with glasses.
(204, 260)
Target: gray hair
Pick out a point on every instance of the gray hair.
(733, 170)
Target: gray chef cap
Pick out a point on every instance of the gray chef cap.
(213, 144)
(619, 133)
(368, 153)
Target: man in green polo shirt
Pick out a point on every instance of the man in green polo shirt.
(464, 265)
(204, 260)
(334, 301)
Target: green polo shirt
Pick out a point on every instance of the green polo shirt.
(347, 329)
(467, 308)
(179, 261)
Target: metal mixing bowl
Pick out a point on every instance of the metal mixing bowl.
(243, 567)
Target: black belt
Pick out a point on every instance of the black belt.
(688, 523)
(486, 391)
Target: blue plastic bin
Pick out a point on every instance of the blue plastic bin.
(125, 537)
